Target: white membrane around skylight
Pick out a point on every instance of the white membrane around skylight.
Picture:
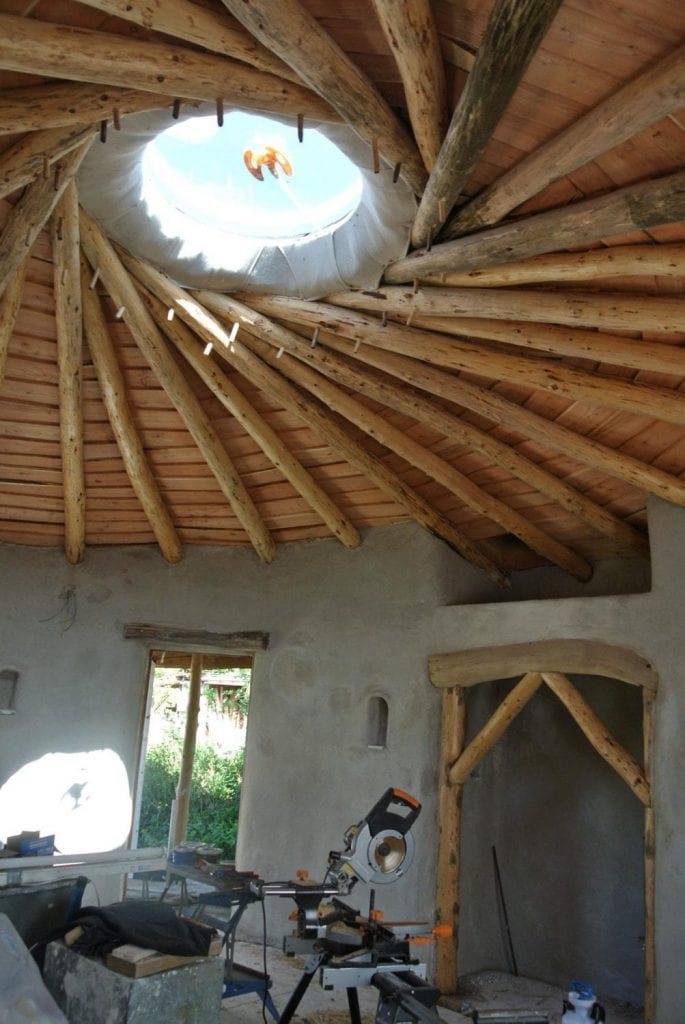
(180, 195)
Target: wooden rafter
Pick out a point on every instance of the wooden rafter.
(10, 301)
(292, 33)
(633, 208)
(413, 38)
(235, 402)
(102, 256)
(113, 388)
(69, 323)
(69, 104)
(35, 154)
(84, 55)
(657, 92)
(513, 34)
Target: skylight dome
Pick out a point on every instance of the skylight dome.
(250, 177)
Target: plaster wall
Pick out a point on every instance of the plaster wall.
(344, 626)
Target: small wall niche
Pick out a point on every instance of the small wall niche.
(377, 723)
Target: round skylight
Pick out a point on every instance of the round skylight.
(250, 177)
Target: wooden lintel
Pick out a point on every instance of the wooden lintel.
(179, 638)
(586, 657)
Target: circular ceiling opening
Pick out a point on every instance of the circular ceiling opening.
(251, 177)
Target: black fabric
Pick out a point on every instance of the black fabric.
(151, 925)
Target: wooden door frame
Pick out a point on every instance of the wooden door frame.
(543, 662)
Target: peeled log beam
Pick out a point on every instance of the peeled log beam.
(32, 211)
(236, 403)
(620, 260)
(67, 288)
(113, 390)
(633, 208)
(415, 403)
(652, 400)
(616, 311)
(514, 31)
(10, 301)
(213, 30)
(449, 846)
(412, 35)
(585, 657)
(512, 705)
(64, 104)
(83, 55)
(649, 97)
(121, 288)
(402, 345)
(35, 154)
(290, 31)
(350, 377)
(636, 354)
(599, 736)
(192, 639)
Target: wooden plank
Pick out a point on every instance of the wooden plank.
(447, 890)
(661, 201)
(10, 301)
(175, 637)
(494, 728)
(515, 29)
(588, 657)
(599, 736)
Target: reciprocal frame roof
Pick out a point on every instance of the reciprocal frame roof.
(513, 384)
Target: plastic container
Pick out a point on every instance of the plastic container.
(581, 1005)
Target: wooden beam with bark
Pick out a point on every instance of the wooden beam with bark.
(598, 735)
(235, 402)
(447, 889)
(401, 346)
(652, 400)
(36, 153)
(333, 368)
(113, 388)
(274, 383)
(10, 302)
(85, 55)
(416, 403)
(32, 211)
(513, 34)
(102, 256)
(290, 31)
(71, 104)
(633, 208)
(648, 699)
(651, 96)
(586, 657)
(512, 705)
(412, 36)
(162, 636)
(69, 326)
(200, 26)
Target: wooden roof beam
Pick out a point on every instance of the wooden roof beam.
(10, 302)
(412, 35)
(36, 153)
(238, 406)
(69, 325)
(113, 388)
(101, 255)
(32, 211)
(291, 32)
(661, 201)
(333, 368)
(656, 93)
(85, 55)
(69, 104)
(410, 357)
(200, 26)
(514, 31)
(414, 402)
(659, 402)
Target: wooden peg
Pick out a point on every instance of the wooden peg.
(176, 109)
(116, 119)
(170, 314)
(442, 209)
(396, 173)
(300, 127)
(429, 241)
(103, 131)
(220, 112)
(375, 157)
(384, 319)
(94, 278)
(357, 344)
(60, 229)
(415, 286)
(315, 337)
(46, 166)
(279, 353)
(120, 313)
(234, 333)
(58, 175)
(411, 314)
(208, 348)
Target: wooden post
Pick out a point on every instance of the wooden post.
(447, 888)
(648, 698)
(189, 741)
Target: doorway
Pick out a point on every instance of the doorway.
(192, 751)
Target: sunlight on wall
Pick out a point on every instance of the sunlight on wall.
(83, 798)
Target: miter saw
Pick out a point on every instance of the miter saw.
(348, 949)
